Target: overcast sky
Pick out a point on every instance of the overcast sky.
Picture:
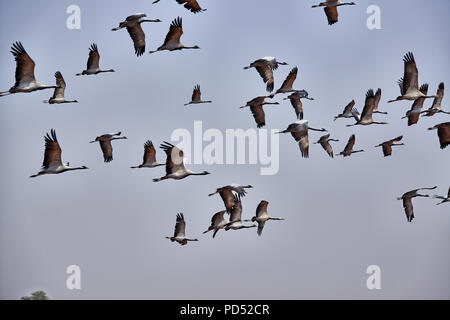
(341, 214)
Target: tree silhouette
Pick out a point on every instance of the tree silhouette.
(37, 295)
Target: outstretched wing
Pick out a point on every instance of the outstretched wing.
(52, 154)
(138, 36)
(175, 32)
(259, 115)
(289, 81)
(332, 14)
(59, 92)
(266, 74)
(369, 105)
(94, 57)
(149, 152)
(174, 161)
(196, 94)
(410, 75)
(407, 205)
(327, 147)
(180, 226)
(444, 134)
(191, 5)
(262, 207)
(350, 144)
(297, 105)
(440, 94)
(348, 108)
(217, 218)
(106, 147)
(24, 65)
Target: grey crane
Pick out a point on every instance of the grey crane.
(134, 28)
(217, 222)
(387, 145)
(409, 84)
(325, 143)
(443, 131)
(256, 107)
(25, 80)
(235, 222)
(436, 106)
(226, 193)
(366, 116)
(416, 108)
(347, 113)
(299, 131)
(196, 97)
(105, 144)
(296, 102)
(58, 94)
(180, 231)
(172, 40)
(407, 202)
(175, 168)
(288, 83)
(348, 150)
(52, 163)
(191, 5)
(265, 67)
(93, 66)
(262, 216)
(330, 8)
(149, 160)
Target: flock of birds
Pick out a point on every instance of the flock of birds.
(232, 194)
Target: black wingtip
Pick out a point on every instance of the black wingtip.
(177, 22)
(409, 57)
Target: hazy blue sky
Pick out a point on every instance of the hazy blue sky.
(341, 215)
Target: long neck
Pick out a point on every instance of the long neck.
(117, 138)
(316, 129)
(193, 47)
(197, 173)
(74, 168)
(110, 70)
